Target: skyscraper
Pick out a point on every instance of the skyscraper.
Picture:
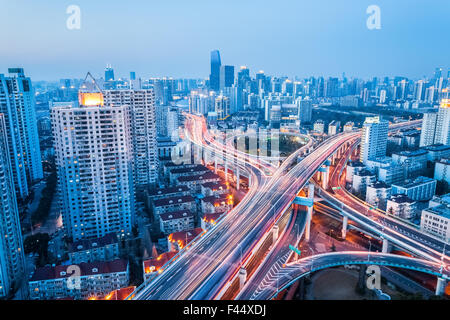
(374, 134)
(109, 73)
(12, 262)
(214, 77)
(304, 110)
(93, 150)
(226, 76)
(143, 131)
(17, 103)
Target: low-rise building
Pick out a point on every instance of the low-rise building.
(348, 127)
(214, 189)
(175, 173)
(161, 206)
(419, 189)
(151, 266)
(178, 240)
(194, 182)
(352, 168)
(96, 279)
(209, 220)
(386, 170)
(437, 152)
(334, 127)
(442, 170)
(436, 219)
(414, 162)
(219, 203)
(401, 206)
(319, 126)
(105, 248)
(377, 194)
(171, 222)
(360, 182)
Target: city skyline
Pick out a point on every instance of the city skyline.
(287, 38)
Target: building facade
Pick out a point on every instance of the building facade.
(17, 103)
(94, 162)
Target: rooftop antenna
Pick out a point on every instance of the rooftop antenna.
(92, 84)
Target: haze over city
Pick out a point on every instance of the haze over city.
(173, 38)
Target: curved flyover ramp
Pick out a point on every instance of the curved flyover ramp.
(302, 267)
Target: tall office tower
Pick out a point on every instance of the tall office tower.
(109, 73)
(226, 76)
(374, 134)
(222, 107)
(214, 77)
(12, 262)
(143, 131)
(132, 75)
(94, 161)
(243, 76)
(304, 110)
(17, 103)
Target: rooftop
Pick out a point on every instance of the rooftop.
(172, 200)
(88, 244)
(163, 191)
(154, 264)
(176, 215)
(379, 185)
(437, 147)
(205, 176)
(197, 168)
(87, 269)
(401, 198)
(416, 182)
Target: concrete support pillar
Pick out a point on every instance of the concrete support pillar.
(311, 191)
(275, 233)
(344, 226)
(325, 177)
(385, 248)
(308, 224)
(226, 169)
(238, 182)
(242, 277)
(440, 286)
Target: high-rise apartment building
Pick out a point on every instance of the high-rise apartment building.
(93, 149)
(143, 131)
(436, 126)
(374, 134)
(222, 106)
(12, 262)
(17, 103)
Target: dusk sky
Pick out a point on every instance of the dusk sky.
(174, 37)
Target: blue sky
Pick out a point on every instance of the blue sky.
(174, 37)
